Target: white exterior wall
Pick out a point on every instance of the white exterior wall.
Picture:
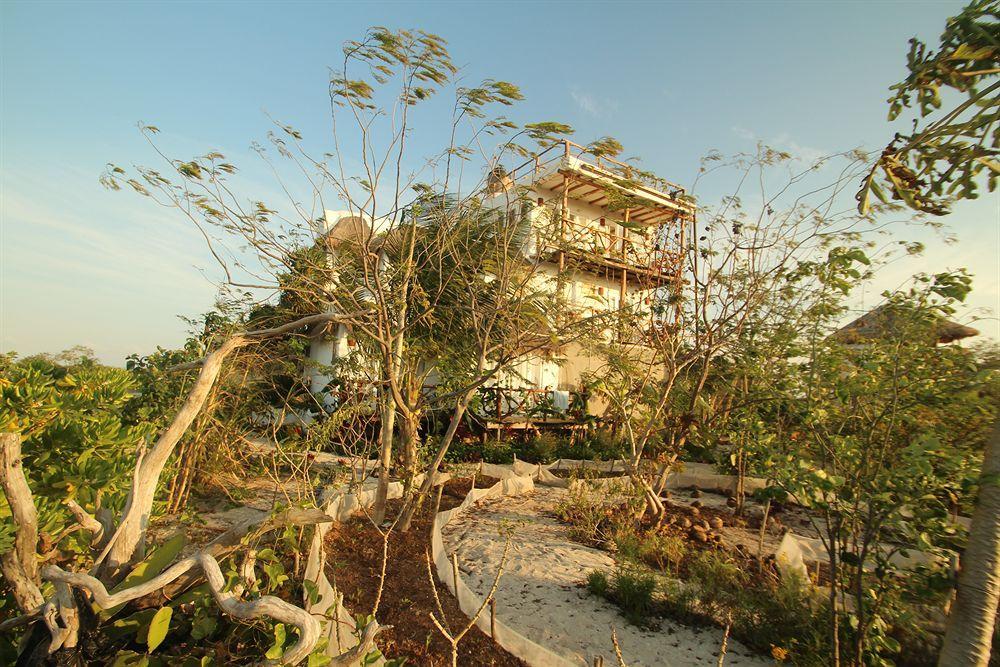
(324, 348)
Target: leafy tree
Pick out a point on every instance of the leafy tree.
(79, 441)
(943, 160)
(879, 455)
(955, 139)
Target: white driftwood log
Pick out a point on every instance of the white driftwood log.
(87, 522)
(268, 605)
(128, 539)
(127, 542)
(20, 567)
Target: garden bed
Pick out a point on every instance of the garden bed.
(354, 556)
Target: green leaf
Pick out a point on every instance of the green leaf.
(318, 660)
(277, 648)
(137, 624)
(158, 628)
(130, 659)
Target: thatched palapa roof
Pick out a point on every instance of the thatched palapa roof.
(886, 320)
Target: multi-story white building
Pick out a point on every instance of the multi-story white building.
(604, 235)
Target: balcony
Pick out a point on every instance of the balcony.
(524, 406)
(601, 213)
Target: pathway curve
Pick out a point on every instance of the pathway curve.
(541, 595)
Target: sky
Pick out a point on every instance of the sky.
(80, 265)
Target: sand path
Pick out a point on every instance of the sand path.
(541, 594)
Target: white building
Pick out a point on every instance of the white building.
(601, 235)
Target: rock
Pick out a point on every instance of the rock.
(696, 503)
(731, 502)
(695, 512)
(717, 523)
(696, 493)
(685, 522)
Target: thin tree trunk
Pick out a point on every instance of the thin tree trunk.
(384, 458)
(969, 635)
(409, 434)
(431, 473)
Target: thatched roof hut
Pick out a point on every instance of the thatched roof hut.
(886, 320)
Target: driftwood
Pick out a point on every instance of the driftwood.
(128, 541)
(20, 566)
(267, 605)
(125, 544)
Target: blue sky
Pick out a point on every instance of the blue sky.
(81, 265)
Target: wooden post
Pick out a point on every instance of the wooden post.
(679, 270)
(599, 661)
(454, 571)
(563, 219)
(625, 233)
(437, 502)
(493, 618)
(624, 277)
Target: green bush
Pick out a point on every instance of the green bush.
(629, 544)
(664, 551)
(583, 513)
(597, 583)
(77, 441)
(599, 445)
(784, 615)
(633, 591)
(501, 452)
(542, 448)
(719, 581)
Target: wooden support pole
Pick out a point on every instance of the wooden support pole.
(454, 571)
(563, 219)
(493, 618)
(437, 501)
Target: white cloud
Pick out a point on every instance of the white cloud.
(785, 142)
(591, 104)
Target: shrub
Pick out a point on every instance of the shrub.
(784, 615)
(664, 551)
(719, 581)
(543, 448)
(629, 544)
(583, 513)
(77, 441)
(498, 452)
(633, 591)
(602, 445)
(597, 583)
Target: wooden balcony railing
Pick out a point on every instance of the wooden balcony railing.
(505, 403)
(606, 239)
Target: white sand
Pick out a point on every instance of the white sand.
(541, 595)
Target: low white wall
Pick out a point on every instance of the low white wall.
(470, 602)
